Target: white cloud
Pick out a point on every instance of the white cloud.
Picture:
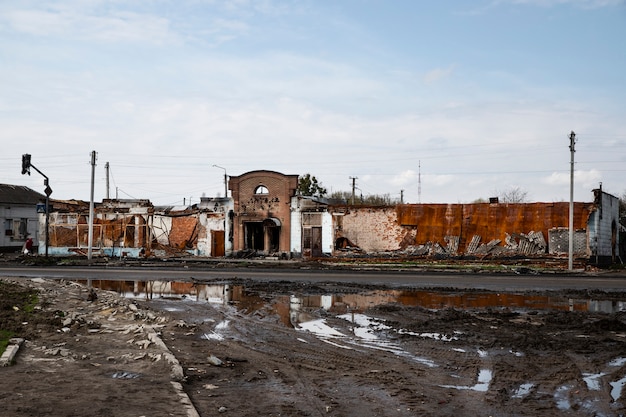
(587, 179)
(117, 26)
(438, 74)
(406, 177)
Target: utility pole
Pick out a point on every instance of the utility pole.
(26, 166)
(419, 182)
(106, 169)
(225, 181)
(91, 206)
(572, 142)
(353, 187)
(401, 196)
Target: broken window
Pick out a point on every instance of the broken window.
(16, 228)
(261, 189)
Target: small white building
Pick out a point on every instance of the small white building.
(311, 227)
(18, 216)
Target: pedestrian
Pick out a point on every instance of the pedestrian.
(28, 246)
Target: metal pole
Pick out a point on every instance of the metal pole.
(26, 166)
(225, 180)
(572, 142)
(106, 168)
(91, 208)
(47, 221)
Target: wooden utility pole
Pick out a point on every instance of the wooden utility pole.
(353, 187)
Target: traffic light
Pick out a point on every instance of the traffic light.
(26, 164)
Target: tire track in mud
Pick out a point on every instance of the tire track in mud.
(535, 365)
(310, 368)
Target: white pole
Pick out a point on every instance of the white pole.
(91, 209)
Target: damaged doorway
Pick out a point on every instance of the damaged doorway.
(312, 234)
(271, 227)
(263, 236)
(254, 239)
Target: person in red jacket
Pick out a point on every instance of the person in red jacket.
(28, 246)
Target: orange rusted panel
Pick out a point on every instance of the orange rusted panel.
(489, 221)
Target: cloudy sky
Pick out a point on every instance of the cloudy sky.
(458, 99)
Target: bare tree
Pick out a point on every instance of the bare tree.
(622, 208)
(512, 195)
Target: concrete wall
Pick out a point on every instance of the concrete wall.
(373, 229)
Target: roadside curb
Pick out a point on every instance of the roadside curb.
(177, 372)
(9, 354)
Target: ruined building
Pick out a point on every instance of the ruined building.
(266, 217)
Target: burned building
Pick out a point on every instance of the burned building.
(262, 215)
(136, 228)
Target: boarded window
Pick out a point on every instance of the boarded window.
(311, 219)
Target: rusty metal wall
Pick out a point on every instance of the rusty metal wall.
(491, 222)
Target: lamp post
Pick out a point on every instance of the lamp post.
(225, 180)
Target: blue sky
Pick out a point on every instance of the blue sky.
(473, 98)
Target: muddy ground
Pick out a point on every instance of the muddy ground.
(284, 349)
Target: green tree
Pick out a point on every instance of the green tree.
(309, 185)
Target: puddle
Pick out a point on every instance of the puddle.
(342, 303)
(482, 384)
(523, 390)
(616, 388)
(593, 381)
(362, 335)
(561, 398)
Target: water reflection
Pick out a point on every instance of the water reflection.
(292, 308)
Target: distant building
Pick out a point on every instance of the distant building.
(18, 216)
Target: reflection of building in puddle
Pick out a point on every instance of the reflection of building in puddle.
(217, 294)
(291, 307)
(337, 304)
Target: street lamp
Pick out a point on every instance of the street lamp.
(225, 180)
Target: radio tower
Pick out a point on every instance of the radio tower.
(419, 182)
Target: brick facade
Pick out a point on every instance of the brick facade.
(262, 216)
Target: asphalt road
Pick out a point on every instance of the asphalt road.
(612, 282)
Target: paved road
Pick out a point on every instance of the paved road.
(496, 282)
